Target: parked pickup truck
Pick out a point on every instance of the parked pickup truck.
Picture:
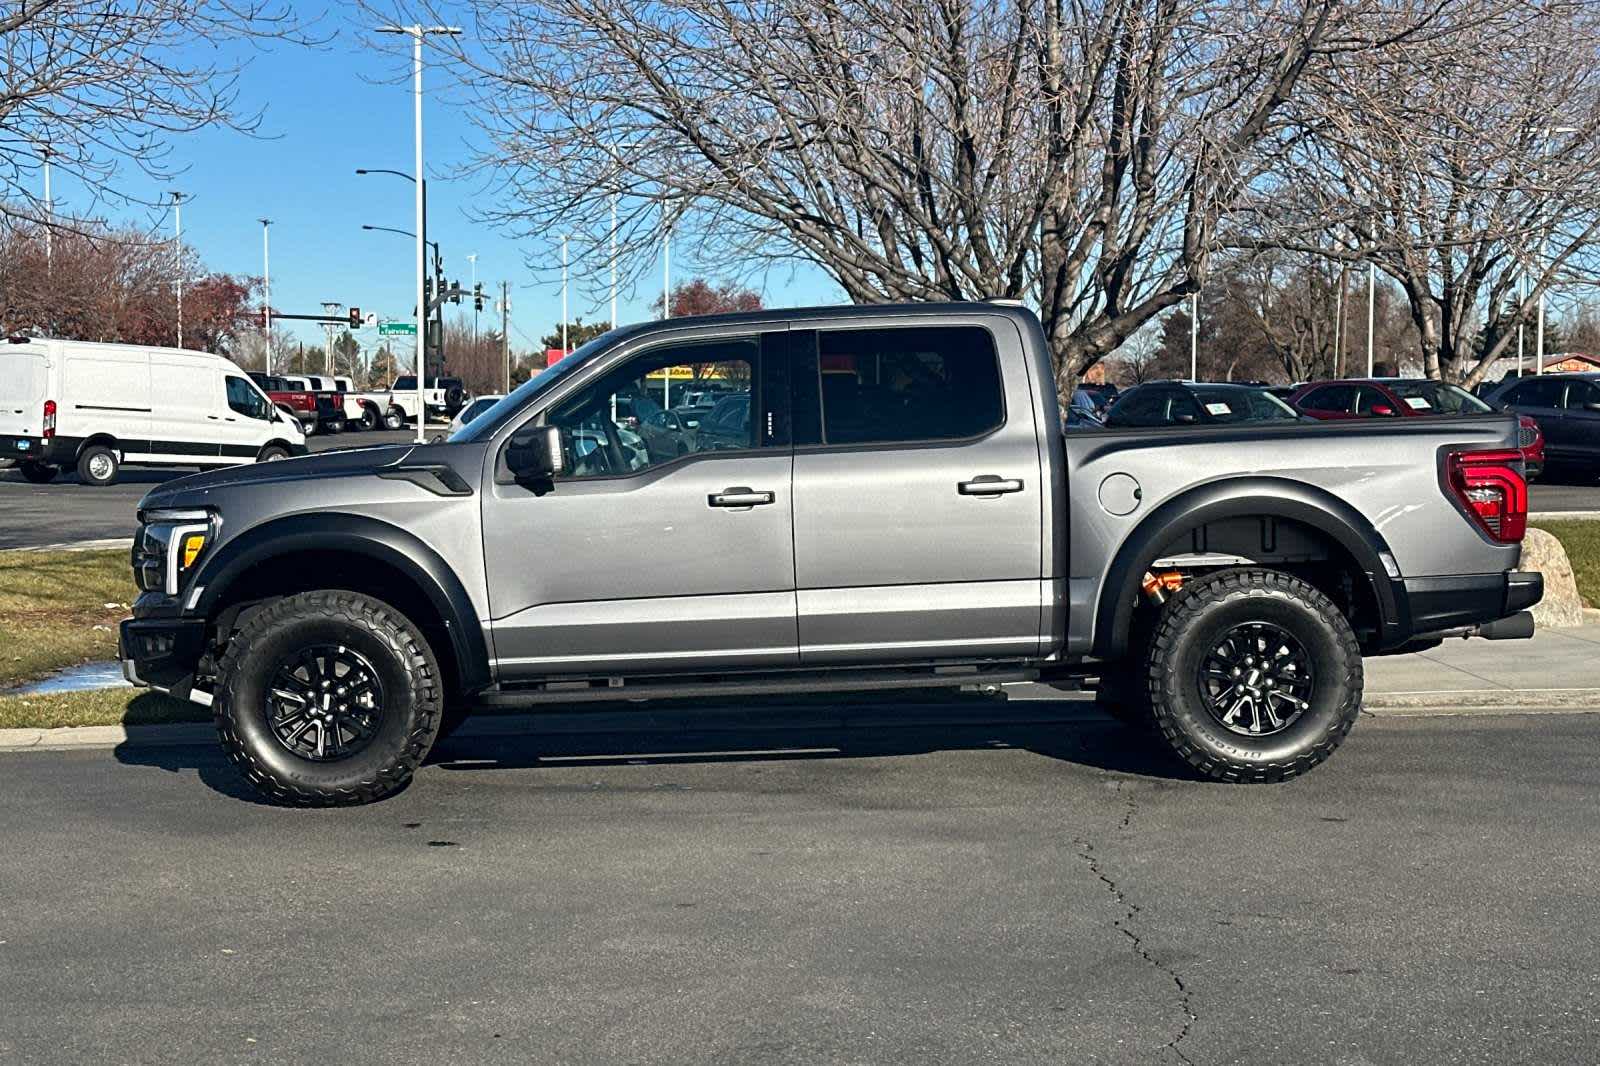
(904, 511)
(444, 398)
(314, 411)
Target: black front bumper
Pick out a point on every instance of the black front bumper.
(1440, 605)
(162, 653)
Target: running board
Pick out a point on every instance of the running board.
(582, 692)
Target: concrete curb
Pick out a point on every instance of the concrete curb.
(1381, 705)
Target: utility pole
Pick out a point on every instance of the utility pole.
(473, 259)
(666, 308)
(49, 217)
(505, 328)
(266, 287)
(1194, 336)
(417, 32)
(177, 256)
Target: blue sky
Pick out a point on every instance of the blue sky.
(327, 112)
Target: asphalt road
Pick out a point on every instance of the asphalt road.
(65, 511)
(895, 887)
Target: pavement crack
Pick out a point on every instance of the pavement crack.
(1126, 924)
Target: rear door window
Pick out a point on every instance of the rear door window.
(1143, 405)
(887, 386)
(1537, 392)
(1334, 399)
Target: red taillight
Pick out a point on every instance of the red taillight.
(1491, 486)
(49, 426)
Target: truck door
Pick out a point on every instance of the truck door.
(645, 558)
(917, 493)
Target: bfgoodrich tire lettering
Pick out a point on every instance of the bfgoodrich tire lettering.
(383, 637)
(1210, 609)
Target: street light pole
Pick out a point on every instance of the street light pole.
(177, 255)
(613, 260)
(49, 216)
(1194, 336)
(564, 347)
(417, 32)
(473, 259)
(266, 287)
(1372, 292)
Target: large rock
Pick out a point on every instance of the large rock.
(1561, 606)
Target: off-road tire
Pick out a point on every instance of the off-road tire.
(101, 457)
(38, 473)
(1199, 614)
(396, 649)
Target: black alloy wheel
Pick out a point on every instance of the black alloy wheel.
(1257, 679)
(325, 702)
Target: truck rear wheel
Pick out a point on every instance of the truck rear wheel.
(394, 419)
(327, 699)
(369, 417)
(1253, 676)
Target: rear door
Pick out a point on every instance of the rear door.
(1329, 402)
(1580, 419)
(1540, 399)
(24, 375)
(918, 498)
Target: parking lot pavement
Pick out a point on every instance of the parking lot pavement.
(65, 511)
(1567, 494)
(899, 887)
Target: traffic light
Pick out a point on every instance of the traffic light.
(455, 292)
(427, 291)
(477, 297)
(355, 318)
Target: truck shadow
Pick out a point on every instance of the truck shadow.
(1069, 730)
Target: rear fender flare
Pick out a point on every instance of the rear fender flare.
(1234, 498)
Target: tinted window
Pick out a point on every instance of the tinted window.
(894, 385)
(612, 426)
(1580, 394)
(1437, 398)
(1333, 398)
(1142, 405)
(1536, 392)
(1244, 405)
(245, 400)
(408, 381)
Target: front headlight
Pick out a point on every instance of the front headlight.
(170, 546)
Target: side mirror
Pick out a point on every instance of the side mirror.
(536, 454)
(1185, 419)
(1382, 410)
(1591, 407)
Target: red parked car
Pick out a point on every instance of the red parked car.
(1408, 398)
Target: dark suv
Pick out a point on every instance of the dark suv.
(1567, 409)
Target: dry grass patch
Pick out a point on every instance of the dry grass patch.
(59, 609)
(106, 706)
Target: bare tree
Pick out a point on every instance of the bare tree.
(100, 84)
(1082, 155)
(1462, 163)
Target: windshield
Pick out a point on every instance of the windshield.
(1244, 405)
(1437, 398)
(485, 424)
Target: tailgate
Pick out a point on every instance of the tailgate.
(22, 387)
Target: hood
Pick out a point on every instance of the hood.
(346, 462)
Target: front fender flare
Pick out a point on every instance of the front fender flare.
(360, 535)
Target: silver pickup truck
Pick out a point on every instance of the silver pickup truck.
(881, 498)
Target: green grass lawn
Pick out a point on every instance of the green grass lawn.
(107, 706)
(60, 609)
(1582, 541)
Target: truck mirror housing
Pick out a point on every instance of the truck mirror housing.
(536, 454)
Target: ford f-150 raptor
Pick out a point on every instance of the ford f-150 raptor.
(894, 506)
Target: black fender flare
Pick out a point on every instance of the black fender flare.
(361, 535)
(1243, 497)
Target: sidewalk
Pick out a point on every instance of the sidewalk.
(1557, 669)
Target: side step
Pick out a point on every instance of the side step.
(583, 692)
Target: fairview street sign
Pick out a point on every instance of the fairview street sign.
(389, 329)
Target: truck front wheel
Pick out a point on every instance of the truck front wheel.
(328, 698)
(1253, 675)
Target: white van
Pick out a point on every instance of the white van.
(93, 407)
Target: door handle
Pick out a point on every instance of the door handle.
(740, 497)
(989, 485)
(212, 417)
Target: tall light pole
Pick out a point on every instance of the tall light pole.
(473, 259)
(614, 260)
(266, 287)
(1194, 336)
(564, 347)
(49, 215)
(417, 32)
(1546, 132)
(177, 255)
(1372, 293)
